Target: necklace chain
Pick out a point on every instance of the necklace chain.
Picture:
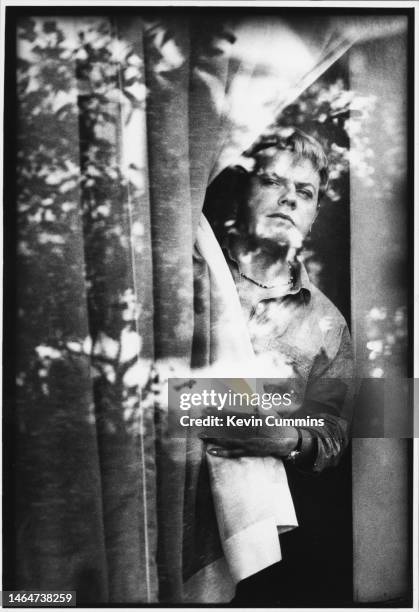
(290, 282)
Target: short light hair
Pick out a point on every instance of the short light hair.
(299, 143)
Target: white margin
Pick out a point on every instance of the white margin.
(362, 4)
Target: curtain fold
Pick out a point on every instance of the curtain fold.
(122, 123)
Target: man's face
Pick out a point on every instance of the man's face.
(282, 199)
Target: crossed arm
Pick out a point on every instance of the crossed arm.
(329, 396)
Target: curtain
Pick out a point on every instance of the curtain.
(122, 122)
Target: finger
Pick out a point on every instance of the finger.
(224, 442)
(227, 453)
(251, 446)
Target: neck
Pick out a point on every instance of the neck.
(265, 263)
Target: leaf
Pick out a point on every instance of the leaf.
(49, 27)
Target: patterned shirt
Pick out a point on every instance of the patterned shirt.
(303, 334)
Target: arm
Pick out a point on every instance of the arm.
(329, 395)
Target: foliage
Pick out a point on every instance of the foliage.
(76, 83)
(335, 116)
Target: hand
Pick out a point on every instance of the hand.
(279, 446)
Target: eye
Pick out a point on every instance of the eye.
(267, 180)
(306, 193)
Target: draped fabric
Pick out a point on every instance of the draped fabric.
(121, 124)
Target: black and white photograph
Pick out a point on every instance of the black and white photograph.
(208, 305)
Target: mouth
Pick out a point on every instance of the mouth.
(278, 215)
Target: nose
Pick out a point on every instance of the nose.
(288, 196)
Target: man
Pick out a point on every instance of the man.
(289, 320)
